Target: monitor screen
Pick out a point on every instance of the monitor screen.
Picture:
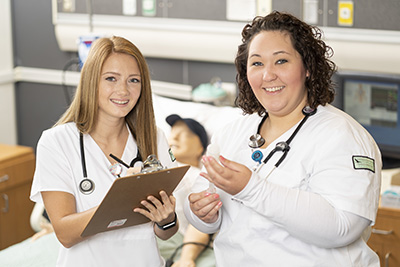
(373, 100)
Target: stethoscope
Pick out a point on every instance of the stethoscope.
(257, 141)
(86, 186)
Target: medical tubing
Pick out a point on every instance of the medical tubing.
(281, 159)
(83, 156)
(297, 129)
(170, 260)
(285, 151)
(73, 61)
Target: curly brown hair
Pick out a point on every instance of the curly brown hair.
(307, 41)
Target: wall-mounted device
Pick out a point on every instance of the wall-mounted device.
(373, 100)
(84, 44)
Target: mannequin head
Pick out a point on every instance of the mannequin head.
(188, 139)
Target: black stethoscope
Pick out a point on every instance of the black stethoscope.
(256, 141)
(86, 186)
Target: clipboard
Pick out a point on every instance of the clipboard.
(116, 209)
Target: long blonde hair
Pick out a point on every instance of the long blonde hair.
(84, 107)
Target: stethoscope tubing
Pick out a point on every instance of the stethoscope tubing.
(83, 161)
(284, 146)
(86, 186)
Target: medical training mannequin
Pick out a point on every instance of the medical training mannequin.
(305, 190)
(111, 113)
(188, 141)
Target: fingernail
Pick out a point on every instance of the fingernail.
(216, 196)
(219, 204)
(206, 158)
(206, 194)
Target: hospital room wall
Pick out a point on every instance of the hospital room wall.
(38, 105)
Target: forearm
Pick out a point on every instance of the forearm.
(67, 223)
(307, 216)
(69, 228)
(166, 234)
(192, 251)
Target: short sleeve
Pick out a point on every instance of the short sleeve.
(346, 185)
(53, 170)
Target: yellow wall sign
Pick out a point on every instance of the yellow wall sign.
(345, 13)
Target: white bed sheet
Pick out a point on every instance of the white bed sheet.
(211, 117)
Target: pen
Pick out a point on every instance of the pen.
(119, 161)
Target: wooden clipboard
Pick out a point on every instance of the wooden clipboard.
(126, 193)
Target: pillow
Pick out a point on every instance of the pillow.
(211, 117)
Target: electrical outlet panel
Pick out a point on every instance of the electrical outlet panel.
(129, 7)
(310, 11)
(345, 13)
(68, 5)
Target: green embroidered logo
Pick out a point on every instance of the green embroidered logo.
(171, 155)
(363, 163)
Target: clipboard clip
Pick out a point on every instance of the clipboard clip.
(151, 164)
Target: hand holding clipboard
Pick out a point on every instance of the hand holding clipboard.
(116, 209)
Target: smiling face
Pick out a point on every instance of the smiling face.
(119, 87)
(276, 73)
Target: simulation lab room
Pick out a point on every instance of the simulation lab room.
(337, 160)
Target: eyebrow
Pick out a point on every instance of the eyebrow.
(116, 73)
(275, 53)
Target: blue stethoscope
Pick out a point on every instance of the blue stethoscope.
(86, 186)
(256, 141)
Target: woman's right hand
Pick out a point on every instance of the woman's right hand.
(205, 206)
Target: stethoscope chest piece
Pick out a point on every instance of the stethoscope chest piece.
(256, 141)
(86, 186)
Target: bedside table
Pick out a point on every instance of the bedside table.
(385, 236)
(17, 165)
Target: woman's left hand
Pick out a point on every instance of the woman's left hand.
(231, 176)
(160, 212)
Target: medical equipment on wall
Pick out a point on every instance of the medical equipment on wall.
(84, 44)
(211, 92)
(257, 141)
(87, 186)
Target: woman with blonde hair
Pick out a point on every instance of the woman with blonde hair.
(112, 113)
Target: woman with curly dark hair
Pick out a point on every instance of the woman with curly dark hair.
(304, 189)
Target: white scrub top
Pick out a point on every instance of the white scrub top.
(331, 155)
(182, 192)
(59, 168)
